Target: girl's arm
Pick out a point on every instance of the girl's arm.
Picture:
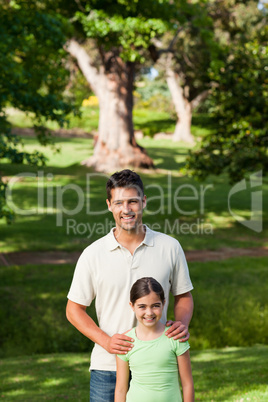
(186, 377)
(122, 378)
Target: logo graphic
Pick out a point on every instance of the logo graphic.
(255, 222)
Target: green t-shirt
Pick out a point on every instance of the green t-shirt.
(154, 369)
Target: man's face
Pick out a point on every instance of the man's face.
(126, 205)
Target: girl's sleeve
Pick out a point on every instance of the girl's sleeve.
(181, 347)
(124, 357)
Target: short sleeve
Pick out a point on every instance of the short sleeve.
(124, 357)
(82, 290)
(181, 347)
(180, 282)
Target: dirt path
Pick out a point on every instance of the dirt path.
(62, 257)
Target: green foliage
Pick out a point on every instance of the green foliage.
(194, 50)
(153, 95)
(128, 34)
(241, 110)
(5, 211)
(238, 104)
(32, 62)
(79, 89)
(32, 77)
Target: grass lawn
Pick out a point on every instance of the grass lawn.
(230, 296)
(230, 374)
(68, 210)
(149, 121)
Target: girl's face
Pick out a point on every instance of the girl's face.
(148, 309)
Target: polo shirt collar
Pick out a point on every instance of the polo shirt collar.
(149, 237)
(112, 243)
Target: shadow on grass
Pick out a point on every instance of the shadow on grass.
(155, 126)
(38, 295)
(171, 158)
(46, 377)
(231, 374)
(203, 120)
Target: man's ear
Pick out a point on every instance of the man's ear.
(109, 205)
(144, 201)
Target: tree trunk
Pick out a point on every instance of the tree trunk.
(116, 147)
(183, 109)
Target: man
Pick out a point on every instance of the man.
(106, 271)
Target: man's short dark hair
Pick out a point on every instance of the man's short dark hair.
(125, 178)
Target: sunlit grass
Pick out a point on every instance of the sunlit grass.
(45, 377)
(224, 375)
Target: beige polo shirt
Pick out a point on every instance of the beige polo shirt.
(106, 271)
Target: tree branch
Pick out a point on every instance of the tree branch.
(85, 63)
(199, 98)
(156, 54)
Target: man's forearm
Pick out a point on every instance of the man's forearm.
(116, 344)
(79, 318)
(183, 308)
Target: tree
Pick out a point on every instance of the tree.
(32, 78)
(186, 68)
(238, 101)
(113, 43)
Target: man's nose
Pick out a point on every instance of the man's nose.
(126, 207)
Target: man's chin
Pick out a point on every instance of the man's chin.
(131, 228)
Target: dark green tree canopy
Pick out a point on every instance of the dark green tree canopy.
(32, 77)
(238, 103)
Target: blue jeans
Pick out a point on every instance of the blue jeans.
(102, 385)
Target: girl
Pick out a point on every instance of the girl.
(155, 359)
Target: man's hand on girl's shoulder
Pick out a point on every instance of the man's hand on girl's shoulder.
(177, 330)
(119, 344)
